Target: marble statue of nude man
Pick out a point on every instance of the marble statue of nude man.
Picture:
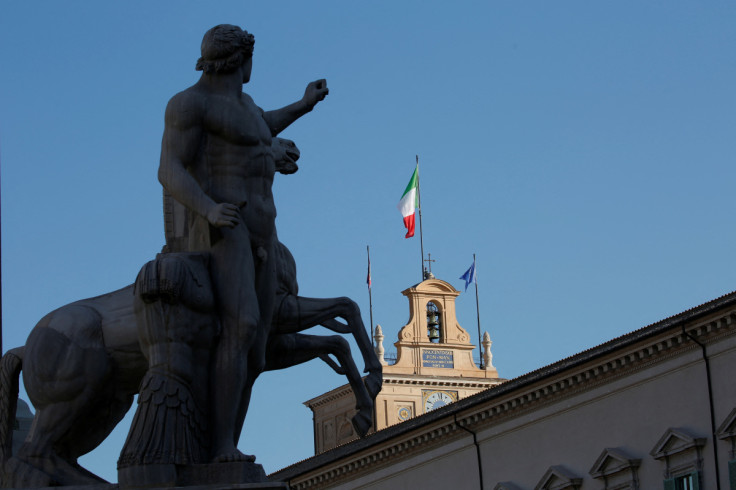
(216, 160)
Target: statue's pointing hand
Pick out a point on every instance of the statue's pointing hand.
(224, 214)
(315, 92)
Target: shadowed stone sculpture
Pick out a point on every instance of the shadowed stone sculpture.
(83, 363)
(216, 160)
(168, 441)
(203, 320)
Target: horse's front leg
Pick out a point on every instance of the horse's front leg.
(374, 380)
(324, 312)
(286, 350)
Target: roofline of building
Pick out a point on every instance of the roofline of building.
(519, 383)
(406, 379)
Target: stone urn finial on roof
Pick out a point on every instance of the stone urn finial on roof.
(378, 337)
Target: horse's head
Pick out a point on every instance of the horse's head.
(285, 154)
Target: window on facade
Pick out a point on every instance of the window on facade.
(727, 432)
(689, 481)
(681, 452)
(434, 323)
(684, 482)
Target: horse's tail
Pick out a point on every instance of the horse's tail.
(10, 367)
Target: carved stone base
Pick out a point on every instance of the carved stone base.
(214, 475)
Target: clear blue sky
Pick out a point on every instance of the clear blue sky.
(583, 150)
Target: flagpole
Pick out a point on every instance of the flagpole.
(421, 236)
(1, 287)
(370, 297)
(370, 303)
(477, 311)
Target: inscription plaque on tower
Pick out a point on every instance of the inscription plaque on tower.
(437, 358)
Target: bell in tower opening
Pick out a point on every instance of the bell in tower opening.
(433, 323)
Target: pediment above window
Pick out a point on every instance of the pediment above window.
(559, 478)
(727, 430)
(506, 485)
(676, 441)
(611, 461)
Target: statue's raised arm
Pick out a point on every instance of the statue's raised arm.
(280, 119)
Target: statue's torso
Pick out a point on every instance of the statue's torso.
(235, 164)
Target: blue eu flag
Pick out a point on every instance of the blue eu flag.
(469, 276)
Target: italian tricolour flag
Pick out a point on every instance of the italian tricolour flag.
(409, 203)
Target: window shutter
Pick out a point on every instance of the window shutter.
(696, 480)
(669, 484)
(732, 474)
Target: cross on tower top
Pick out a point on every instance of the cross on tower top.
(429, 261)
(428, 273)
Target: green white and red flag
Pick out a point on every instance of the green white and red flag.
(410, 202)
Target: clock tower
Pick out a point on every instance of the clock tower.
(433, 367)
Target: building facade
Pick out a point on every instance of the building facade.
(653, 409)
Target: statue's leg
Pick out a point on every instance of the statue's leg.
(67, 377)
(233, 277)
(83, 438)
(265, 289)
(41, 452)
(243, 408)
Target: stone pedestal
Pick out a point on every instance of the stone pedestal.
(171, 475)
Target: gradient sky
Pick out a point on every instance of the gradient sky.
(583, 150)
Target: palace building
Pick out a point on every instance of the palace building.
(652, 409)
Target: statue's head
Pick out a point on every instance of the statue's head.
(224, 48)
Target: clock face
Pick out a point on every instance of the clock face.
(437, 399)
(404, 413)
